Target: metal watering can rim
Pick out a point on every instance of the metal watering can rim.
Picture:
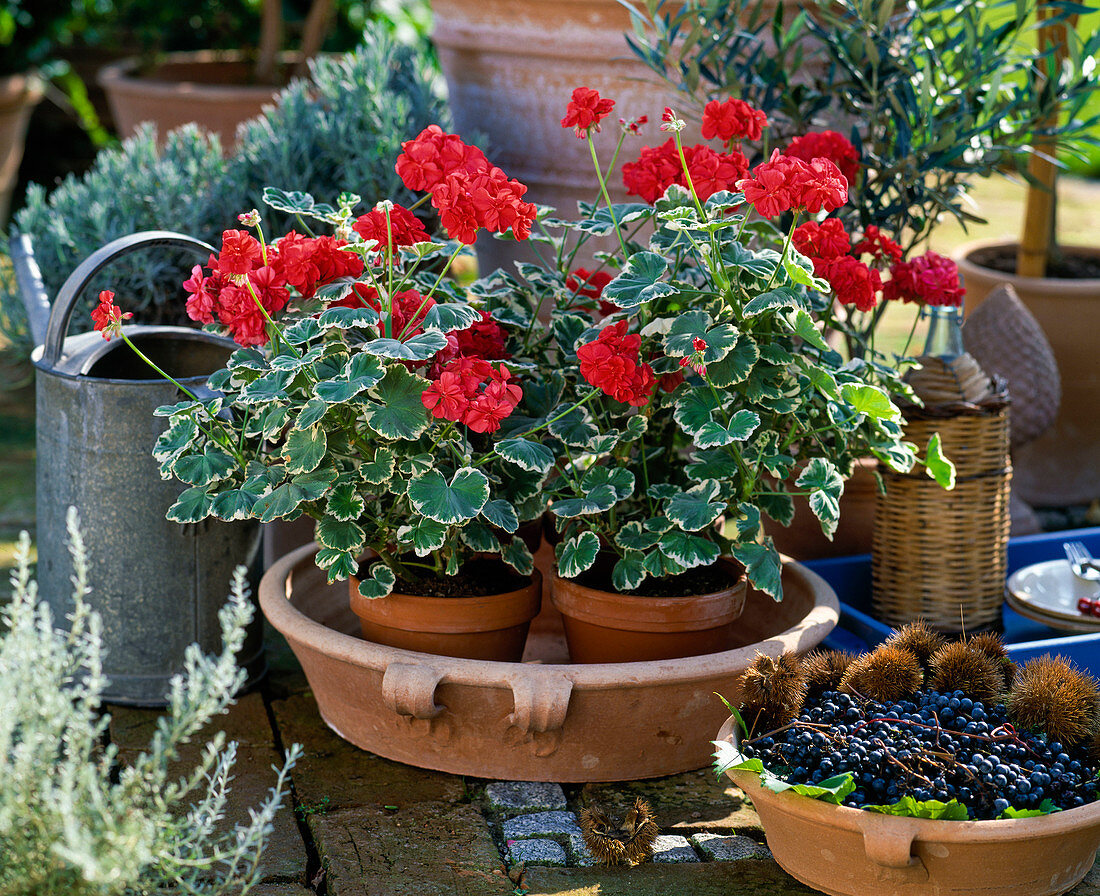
(60, 314)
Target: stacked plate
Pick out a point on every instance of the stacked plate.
(1048, 593)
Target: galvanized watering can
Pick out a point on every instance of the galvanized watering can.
(156, 584)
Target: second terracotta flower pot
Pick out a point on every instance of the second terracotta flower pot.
(608, 627)
(489, 627)
(852, 852)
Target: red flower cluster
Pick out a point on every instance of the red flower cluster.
(466, 189)
(457, 394)
(658, 168)
(733, 120)
(107, 317)
(827, 145)
(484, 339)
(878, 245)
(612, 364)
(827, 245)
(244, 273)
(929, 279)
(784, 182)
(589, 285)
(585, 111)
(405, 228)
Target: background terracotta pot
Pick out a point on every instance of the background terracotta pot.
(210, 88)
(1063, 465)
(19, 94)
(492, 627)
(851, 852)
(607, 627)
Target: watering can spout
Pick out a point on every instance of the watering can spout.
(31, 287)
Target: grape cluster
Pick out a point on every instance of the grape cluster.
(934, 746)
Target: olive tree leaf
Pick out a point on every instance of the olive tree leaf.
(456, 501)
(577, 554)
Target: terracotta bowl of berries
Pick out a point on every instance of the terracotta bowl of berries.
(924, 767)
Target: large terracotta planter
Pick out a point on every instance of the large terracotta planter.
(212, 89)
(1062, 466)
(540, 720)
(19, 94)
(607, 627)
(850, 852)
(493, 627)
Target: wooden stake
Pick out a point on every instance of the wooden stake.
(1038, 234)
(271, 40)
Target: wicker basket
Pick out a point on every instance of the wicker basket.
(941, 555)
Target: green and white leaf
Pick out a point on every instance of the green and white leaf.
(629, 572)
(501, 514)
(531, 456)
(395, 410)
(340, 535)
(456, 501)
(639, 282)
(577, 554)
(696, 508)
(938, 465)
(305, 449)
(518, 556)
(379, 582)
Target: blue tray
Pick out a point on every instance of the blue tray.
(850, 577)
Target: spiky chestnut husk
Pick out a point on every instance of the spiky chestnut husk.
(993, 646)
(601, 836)
(959, 666)
(919, 640)
(628, 843)
(640, 832)
(772, 692)
(824, 670)
(1052, 696)
(887, 674)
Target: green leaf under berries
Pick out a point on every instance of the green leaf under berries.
(448, 316)
(379, 582)
(909, 807)
(577, 554)
(639, 282)
(727, 757)
(773, 300)
(451, 502)
(395, 410)
(761, 562)
(696, 508)
(415, 348)
(305, 449)
(937, 465)
(340, 535)
(192, 505)
(531, 456)
(629, 572)
(501, 514)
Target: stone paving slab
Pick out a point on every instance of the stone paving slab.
(673, 849)
(689, 803)
(426, 849)
(536, 852)
(505, 799)
(729, 849)
(744, 878)
(333, 774)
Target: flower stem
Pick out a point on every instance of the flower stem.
(606, 196)
(564, 413)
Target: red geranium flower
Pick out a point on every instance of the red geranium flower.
(733, 120)
(107, 317)
(929, 279)
(853, 282)
(456, 394)
(241, 252)
(585, 111)
(486, 199)
(820, 241)
(611, 364)
(405, 228)
(876, 244)
(427, 160)
(827, 145)
(822, 187)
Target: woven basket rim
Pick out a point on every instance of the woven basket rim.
(996, 401)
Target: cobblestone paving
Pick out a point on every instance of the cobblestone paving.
(360, 825)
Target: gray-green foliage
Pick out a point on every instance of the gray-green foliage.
(71, 822)
(343, 128)
(130, 188)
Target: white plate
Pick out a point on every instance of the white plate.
(1051, 590)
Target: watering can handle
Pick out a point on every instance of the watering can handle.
(62, 310)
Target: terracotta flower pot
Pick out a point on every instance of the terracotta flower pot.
(210, 88)
(851, 852)
(1062, 466)
(19, 94)
(491, 627)
(607, 627)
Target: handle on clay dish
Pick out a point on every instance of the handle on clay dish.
(888, 840)
(410, 690)
(540, 702)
